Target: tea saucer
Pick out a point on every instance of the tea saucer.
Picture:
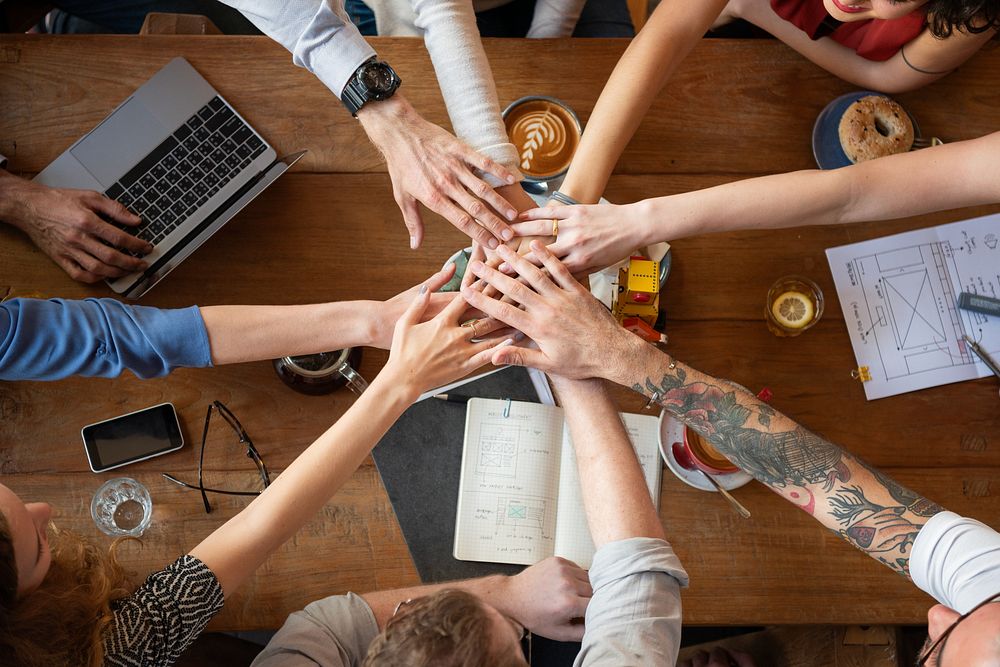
(826, 132)
(672, 431)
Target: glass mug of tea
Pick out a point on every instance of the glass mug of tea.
(706, 457)
(321, 373)
(546, 133)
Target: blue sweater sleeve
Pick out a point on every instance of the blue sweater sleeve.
(54, 339)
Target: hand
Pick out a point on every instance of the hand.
(429, 165)
(385, 314)
(67, 226)
(440, 350)
(550, 598)
(591, 237)
(719, 657)
(576, 335)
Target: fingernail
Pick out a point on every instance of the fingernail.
(149, 247)
(509, 341)
(510, 180)
(493, 243)
(423, 289)
(413, 243)
(507, 234)
(505, 267)
(477, 267)
(518, 336)
(504, 251)
(511, 214)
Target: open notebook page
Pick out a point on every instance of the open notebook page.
(572, 533)
(509, 482)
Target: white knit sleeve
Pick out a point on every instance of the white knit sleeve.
(465, 77)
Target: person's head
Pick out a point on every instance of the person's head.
(451, 628)
(39, 583)
(973, 642)
(943, 16)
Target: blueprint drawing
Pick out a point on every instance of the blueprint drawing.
(899, 296)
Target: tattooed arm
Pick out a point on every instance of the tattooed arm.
(577, 338)
(861, 504)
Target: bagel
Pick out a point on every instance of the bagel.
(873, 127)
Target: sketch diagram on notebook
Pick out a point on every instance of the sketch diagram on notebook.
(899, 296)
(522, 517)
(498, 449)
(520, 512)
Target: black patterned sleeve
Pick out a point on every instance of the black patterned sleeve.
(154, 625)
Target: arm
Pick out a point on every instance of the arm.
(422, 355)
(54, 339)
(426, 163)
(69, 226)
(636, 606)
(868, 509)
(650, 60)
(965, 173)
(615, 496)
(937, 57)
(842, 492)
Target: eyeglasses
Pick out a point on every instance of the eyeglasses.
(244, 440)
(929, 651)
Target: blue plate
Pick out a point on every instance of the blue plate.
(826, 131)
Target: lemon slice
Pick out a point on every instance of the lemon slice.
(793, 310)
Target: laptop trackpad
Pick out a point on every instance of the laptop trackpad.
(118, 143)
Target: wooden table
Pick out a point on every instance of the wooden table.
(331, 231)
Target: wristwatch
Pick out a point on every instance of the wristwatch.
(373, 80)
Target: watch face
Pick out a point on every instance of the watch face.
(376, 77)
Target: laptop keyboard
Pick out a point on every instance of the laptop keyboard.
(186, 169)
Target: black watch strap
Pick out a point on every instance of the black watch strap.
(352, 97)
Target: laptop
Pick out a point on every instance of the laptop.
(178, 155)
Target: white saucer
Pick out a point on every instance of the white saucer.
(672, 431)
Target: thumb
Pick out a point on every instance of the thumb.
(520, 356)
(413, 220)
(415, 311)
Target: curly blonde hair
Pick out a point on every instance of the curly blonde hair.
(61, 622)
(450, 628)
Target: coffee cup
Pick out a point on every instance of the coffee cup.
(321, 373)
(705, 456)
(546, 133)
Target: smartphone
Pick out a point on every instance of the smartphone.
(134, 437)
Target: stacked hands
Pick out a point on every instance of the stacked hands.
(541, 318)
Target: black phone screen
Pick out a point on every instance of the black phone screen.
(132, 437)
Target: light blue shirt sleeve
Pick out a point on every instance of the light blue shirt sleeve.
(54, 339)
(634, 617)
(318, 33)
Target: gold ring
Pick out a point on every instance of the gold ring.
(472, 325)
(555, 228)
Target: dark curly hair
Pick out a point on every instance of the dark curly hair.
(972, 16)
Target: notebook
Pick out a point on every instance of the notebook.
(519, 498)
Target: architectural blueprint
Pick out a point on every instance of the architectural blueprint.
(899, 296)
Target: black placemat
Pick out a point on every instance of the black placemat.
(420, 461)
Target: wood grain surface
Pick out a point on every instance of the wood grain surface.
(331, 231)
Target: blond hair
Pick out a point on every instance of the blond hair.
(450, 628)
(60, 622)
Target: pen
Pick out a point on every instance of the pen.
(452, 398)
(992, 365)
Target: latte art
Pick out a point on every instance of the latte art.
(546, 136)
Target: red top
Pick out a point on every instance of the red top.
(874, 39)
